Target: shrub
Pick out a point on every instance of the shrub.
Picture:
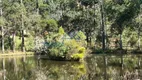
(80, 36)
(80, 55)
(68, 50)
(77, 56)
(61, 30)
(72, 46)
(59, 47)
(75, 50)
(81, 50)
(57, 50)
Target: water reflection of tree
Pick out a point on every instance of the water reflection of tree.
(101, 67)
(15, 69)
(28, 69)
(114, 67)
(4, 70)
(95, 68)
(55, 70)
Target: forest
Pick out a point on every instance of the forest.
(70, 39)
(70, 27)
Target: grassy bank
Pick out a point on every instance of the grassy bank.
(16, 53)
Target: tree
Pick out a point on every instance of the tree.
(22, 25)
(120, 15)
(14, 19)
(25, 24)
(103, 24)
(2, 26)
(139, 28)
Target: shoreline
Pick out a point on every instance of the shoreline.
(16, 54)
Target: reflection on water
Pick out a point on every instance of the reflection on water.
(114, 67)
(94, 67)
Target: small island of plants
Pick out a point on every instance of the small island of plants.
(62, 46)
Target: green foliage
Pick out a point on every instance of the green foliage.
(80, 36)
(7, 43)
(41, 16)
(61, 30)
(72, 44)
(71, 50)
(77, 56)
(2, 21)
(61, 48)
(88, 2)
(75, 50)
(17, 43)
(80, 54)
(81, 50)
(129, 37)
(52, 25)
(49, 25)
(29, 43)
(35, 22)
(57, 51)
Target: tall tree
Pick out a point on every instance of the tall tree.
(22, 26)
(14, 19)
(2, 28)
(139, 29)
(103, 24)
(25, 23)
(120, 14)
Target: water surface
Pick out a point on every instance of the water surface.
(95, 67)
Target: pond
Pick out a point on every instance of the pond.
(94, 67)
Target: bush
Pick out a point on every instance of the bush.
(81, 50)
(61, 30)
(57, 50)
(77, 56)
(68, 51)
(58, 47)
(80, 36)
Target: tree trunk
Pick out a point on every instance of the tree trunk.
(120, 43)
(37, 10)
(102, 25)
(90, 41)
(22, 25)
(13, 43)
(35, 41)
(87, 37)
(139, 40)
(2, 39)
(139, 61)
(10, 42)
(37, 7)
(2, 32)
(23, 42)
